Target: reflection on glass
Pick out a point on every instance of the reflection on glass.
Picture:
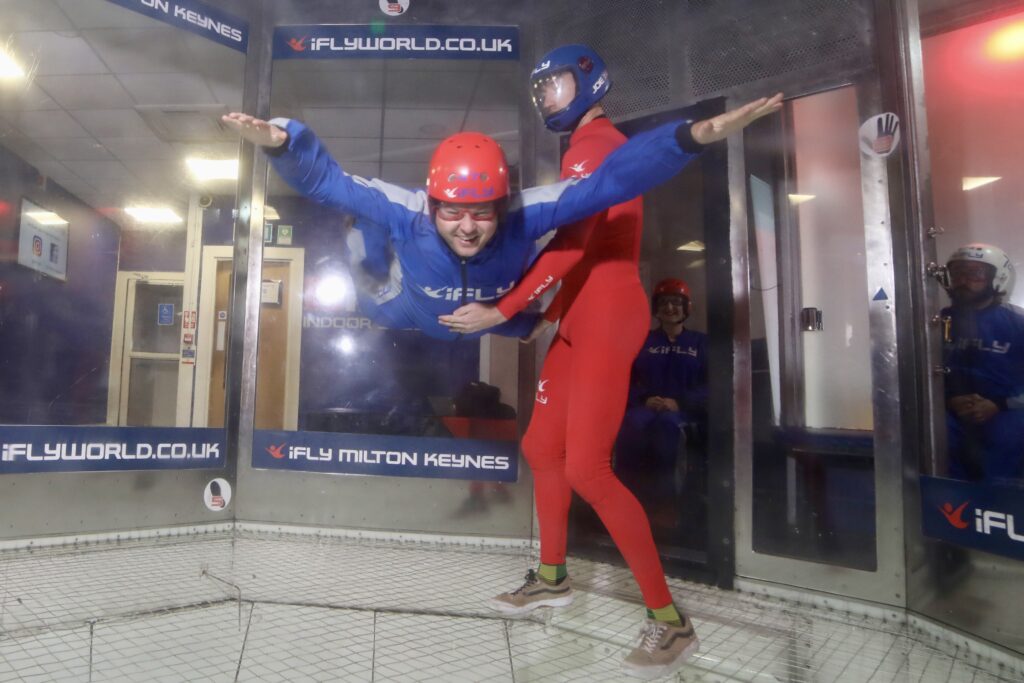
(974, 106)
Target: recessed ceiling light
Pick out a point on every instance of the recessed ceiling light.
(973, 183)
(692, 245)
(212, 169)
(152, 214)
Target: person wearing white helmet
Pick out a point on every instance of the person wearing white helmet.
(983, 351)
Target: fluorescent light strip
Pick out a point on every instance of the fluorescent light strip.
(152, 214)
(795, 199)
(46, 218)
(973, 183)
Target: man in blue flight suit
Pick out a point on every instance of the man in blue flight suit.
(983, 349)
(668, 394)
(446, 239)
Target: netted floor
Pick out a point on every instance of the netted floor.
(272, 606)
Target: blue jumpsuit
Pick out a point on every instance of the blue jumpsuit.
(649, 440)
(432, 280)
(984, 351)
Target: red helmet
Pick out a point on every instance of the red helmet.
(671, 285)
(468, 168)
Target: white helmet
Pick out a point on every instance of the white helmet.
(1002, 283)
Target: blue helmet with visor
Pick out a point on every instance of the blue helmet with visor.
(567, 82)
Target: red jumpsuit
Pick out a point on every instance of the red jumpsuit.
(584, 384)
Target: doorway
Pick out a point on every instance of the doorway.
(279, 343)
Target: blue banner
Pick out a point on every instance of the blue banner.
(981, 516)
(389, 41)
(195, 17)
(390, 456)
(108, 449)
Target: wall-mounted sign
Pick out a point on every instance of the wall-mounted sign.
(43, 241)
(108, 449)
(982, 516)
(164, 314)
(393, 41)
(195, 17)
(394, 8)
(380, 455)
(217, 494)
(880, 135)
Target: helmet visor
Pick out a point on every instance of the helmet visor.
(553, 91)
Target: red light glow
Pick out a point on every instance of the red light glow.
(1007, 44)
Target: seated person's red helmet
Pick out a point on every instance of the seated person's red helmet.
(674, 286)
(468, 168)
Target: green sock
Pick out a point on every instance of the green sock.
(668, 614)
(552, 573)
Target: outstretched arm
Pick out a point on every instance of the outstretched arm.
(644, 162)
(303, 161)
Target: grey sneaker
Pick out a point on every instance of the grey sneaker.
(533, 594)
(663, 648)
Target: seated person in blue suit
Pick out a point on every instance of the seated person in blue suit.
(983, 349)
(667, 396)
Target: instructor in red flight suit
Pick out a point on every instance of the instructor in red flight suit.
(584, 384)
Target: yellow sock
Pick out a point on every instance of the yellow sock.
(552, 573)
(668, 614)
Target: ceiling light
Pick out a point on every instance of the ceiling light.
(46, 218)
(270, 213)
(9, 67)
(152, 214)
(795, 199)
(976, 182)
(212, 169)
(692, 245)
(1007, 44)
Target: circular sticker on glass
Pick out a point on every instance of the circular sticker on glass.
(880, 135)
(217, 494)
(393, 9)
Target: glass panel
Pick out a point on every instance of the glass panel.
(156, 327)
(360, 371)
(813, 461)
(973, 68)
(152, 392)
(972, 78)
(98, 121)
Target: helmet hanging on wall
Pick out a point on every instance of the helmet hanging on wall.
(468, 168)
(567, 82)
(1004, 276)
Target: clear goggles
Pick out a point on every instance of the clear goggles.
(553, 91)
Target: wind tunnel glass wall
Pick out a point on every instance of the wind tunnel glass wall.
(105, 113)
(971, 490)
(812, 411)
(339, 358)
